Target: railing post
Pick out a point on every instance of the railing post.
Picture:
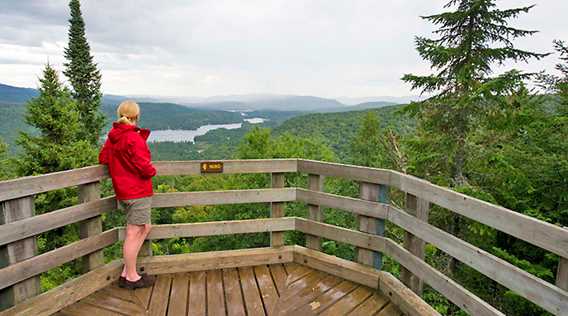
(315, 183)
(419, 208)
(562, 273)
(11, 211)
(371, 192)
(93, 226)
(277, 210)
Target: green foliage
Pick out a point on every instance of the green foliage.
(84, 77)
(471, 39)
(337, 130)
(58, 146)
(5, 162)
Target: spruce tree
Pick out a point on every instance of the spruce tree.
(57, 147)
(84, 77)
(469, 42)
(471, 39)
(558, 84)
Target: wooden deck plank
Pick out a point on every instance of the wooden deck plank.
(215, 295)
(348, 302)
(251, 293)
(309, 280)
(143, 295)
(327, 299)
(370, 306)
(279, 275)
(390, 310)
(307, 294)
(160, 295)
(103, 300)
(267, 288)
(233, 293)
(197, 295)
(264, 289)
(296, 272)
(290, 266)
(178, 295)
(124, 294)
(81, 308)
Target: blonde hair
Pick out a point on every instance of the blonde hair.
(128, 112)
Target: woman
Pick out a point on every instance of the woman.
(127, 156)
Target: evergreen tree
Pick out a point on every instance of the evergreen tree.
(5, 171)
(84, 77)
(57, 147)
(559, 84)
(471, 40)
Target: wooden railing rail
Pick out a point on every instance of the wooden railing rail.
(372, 208)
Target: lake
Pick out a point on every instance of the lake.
(184, 135)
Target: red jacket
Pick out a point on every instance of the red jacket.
(129, 161)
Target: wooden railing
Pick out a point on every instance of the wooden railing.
(21, 265)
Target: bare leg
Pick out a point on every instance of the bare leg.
(135, 236)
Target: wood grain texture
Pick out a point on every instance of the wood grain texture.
(251, 293)
(342, 268)
(17, 253)
(267, 288)
(344, 235)
(183, 168)
(547, 236)
(176, 199)
(233, 293)
(372, 209)
(35, 225)
(277, 180)
(26, 186)
(357, 173)
(197, 294)
(420, 209)
(542, 293)
(440, 282)
(179, 295)
(70, 292)
(315, 183)
(404, 298)
(54, 258)
(216, 228)
(90, 227)
(210, 260)
(215, 294)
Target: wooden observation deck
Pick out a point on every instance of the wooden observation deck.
(275, 280)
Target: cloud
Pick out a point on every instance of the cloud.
(200, 48)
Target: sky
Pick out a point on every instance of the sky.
(327, 48)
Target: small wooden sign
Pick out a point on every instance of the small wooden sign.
(211, 167)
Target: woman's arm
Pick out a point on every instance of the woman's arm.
(141, 159)
(103, 155)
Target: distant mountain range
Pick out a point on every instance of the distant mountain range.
(247, 102)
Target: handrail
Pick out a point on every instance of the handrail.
(547, 236)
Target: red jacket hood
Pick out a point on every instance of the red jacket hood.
(119, 129)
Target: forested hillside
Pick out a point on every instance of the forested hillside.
(481, 132)
(338, 130)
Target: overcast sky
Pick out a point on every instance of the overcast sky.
(327, 48)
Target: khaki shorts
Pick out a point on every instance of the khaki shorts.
(138, 211)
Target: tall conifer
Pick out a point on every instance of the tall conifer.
(57, 147)
(84, 77)
(469, 42)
